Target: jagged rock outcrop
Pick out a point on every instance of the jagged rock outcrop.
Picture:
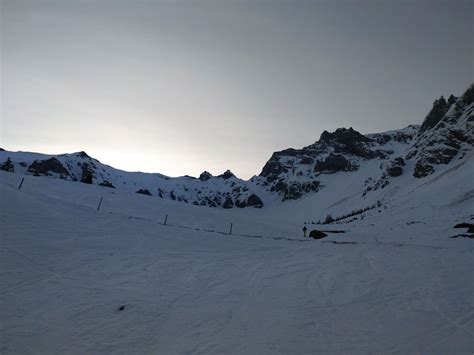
(446, 134)
(205, 175)
(440, 107)
(226, 175)
(48, 167)
(87, 174)
(334, 163)
(292, 173)
(451, 136)
(144, 192)
(106, 183)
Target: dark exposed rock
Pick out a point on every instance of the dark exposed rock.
(396, 167)
(205, 175)
(226, 175)
(306, 160)
(469, 226)
(349, 141)
(272, 169)
(48, 166)
(334, 163)
(161, 193)
(254, 201)
(442, 155)
(422, 170)
(106, 183)
(87, 174)
(228, 203)
(315, 234)
(344, 136)
(2, 150)
(399, 161)
(144, 192)
(440, 107)
(468, 96)
(7, 165)
(452, 99)
(395, 171)
(83, 154)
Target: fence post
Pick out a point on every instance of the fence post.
(100, 203)
(21, 183)
(230, 231)
(166, 219)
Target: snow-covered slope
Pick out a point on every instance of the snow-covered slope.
(77, 279)
(224, 190)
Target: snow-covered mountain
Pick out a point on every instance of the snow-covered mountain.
(367, 162)
(94, 267)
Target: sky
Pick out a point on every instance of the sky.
(179, 87)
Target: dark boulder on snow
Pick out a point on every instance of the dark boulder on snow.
(48, 166)
(106, 183)
(144, 192)
(469, 226)
(395, 171)
(315, 234)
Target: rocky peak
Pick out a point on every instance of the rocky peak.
(205, 175)
(226, 175)
(439, 109)
(468, 96)
(343, 136)
(452, 99)
(82, 154)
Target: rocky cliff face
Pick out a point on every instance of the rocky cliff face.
(293, 173)
(446, 135)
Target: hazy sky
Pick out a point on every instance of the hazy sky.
(178, 87)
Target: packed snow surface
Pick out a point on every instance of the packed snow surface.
(75, 279)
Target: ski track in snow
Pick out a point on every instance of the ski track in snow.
(66, 269)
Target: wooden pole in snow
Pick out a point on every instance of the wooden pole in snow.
(230, 231)
(21, 183)
(100, 203)
(166, 219)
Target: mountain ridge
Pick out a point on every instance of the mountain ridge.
(446, 134)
